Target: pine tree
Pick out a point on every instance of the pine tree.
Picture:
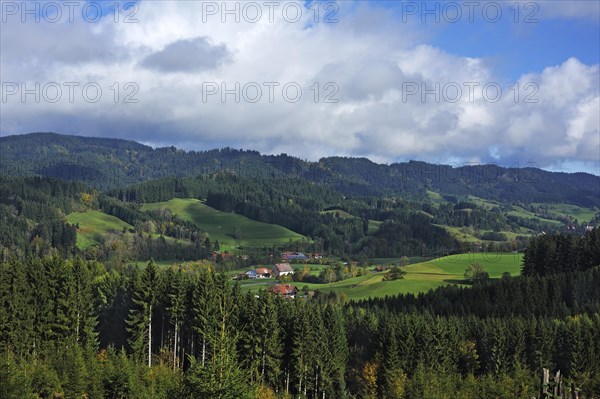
(74, 372)
(64, 320)
(260, 342)
(336, 355)
(14, 383)
(391, 376)
(176, 302)
(16, 312)
(205, 308)
(140, 315)
(86, 321)
(220, 376)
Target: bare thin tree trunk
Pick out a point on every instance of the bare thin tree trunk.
(150, 339)
(262, 372)
(175, 345)
(77, 327)
(287, 382)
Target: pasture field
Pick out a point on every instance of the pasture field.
(523, 213)
(578, 213)
(94, 226)
(420, 277)
(220, 225)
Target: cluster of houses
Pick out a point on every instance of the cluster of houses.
(278, 271)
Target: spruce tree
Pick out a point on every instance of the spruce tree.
(176, 302)
(140, 315)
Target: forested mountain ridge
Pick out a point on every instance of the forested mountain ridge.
(411, 208)
(111, 163)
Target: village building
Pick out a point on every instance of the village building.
(285, 290)
(262, 272)
(282, 269)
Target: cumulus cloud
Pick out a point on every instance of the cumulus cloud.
(192, 55)
(369, 87)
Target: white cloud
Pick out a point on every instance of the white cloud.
(368, 56)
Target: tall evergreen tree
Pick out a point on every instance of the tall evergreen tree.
(176, 307)
(140, 315)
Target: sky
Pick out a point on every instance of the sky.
(513, 83)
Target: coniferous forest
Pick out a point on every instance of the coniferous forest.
(112, 321)
(73, 328)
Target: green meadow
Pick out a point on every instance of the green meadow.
(94, 226)
(578, 213)
(220, 225)
(420, 277)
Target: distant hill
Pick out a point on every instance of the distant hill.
(107, 163)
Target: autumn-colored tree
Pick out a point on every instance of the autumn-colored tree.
(369, 380)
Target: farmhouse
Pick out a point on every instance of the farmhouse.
(282, 269)
(262, 272)
(285, 290)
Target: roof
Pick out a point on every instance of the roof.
(283, 267)
(263, 270)
(284, 289)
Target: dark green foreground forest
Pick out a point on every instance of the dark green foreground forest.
(102, 320)
(73, 328)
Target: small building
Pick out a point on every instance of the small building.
(293, 256)
(285, 290)
(263, 272)
(251, 274)
(282, 269)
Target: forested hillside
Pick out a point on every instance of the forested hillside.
(110, 163)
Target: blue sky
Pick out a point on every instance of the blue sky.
(179, 59)
(525, 38)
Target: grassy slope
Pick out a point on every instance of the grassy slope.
(420, 277)
(94, 225)
(220, 225)
(579, 213)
